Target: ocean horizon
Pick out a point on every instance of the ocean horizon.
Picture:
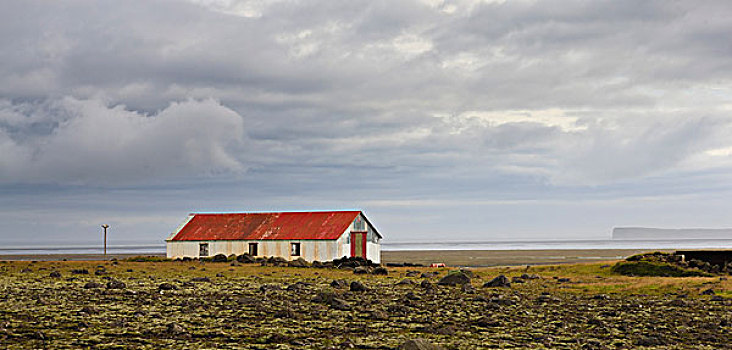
(148, 247)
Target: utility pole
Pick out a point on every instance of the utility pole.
(105, 227)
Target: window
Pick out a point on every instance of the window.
(203, 249)
(253, 249)
(359, 225)
(295, 249)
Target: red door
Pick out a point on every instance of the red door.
(358, 244)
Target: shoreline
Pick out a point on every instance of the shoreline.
(473, 258)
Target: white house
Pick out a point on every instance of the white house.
(321, 235)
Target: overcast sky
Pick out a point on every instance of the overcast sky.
(442, 120)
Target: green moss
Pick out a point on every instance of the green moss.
(654, 269)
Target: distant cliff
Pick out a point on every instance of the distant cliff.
(664, 233)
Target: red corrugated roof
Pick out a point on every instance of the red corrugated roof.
(258, 226)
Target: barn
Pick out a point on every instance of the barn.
(315, 235)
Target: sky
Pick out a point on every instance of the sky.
(442, 120)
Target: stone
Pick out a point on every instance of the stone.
(299, 262)
(406, 282)
(708, 292)
(426, 284)
(219, 258)
(412, 273)
(245, 259)
(55, 274)
(357, 286)
(175, 329)
(116, 285)
(360, 270)
(91, 285)
(500, 281)
(419, 344)
(167, 286)
(339, 284)
(468, 288)
(79, 272)
(380, 271)
(200, 279)
(454, 278)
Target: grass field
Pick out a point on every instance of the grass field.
(219, 306)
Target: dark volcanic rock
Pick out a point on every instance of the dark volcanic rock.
(116, 285)
(299, 262)
(90, 285)
(79, 272)
(360, 270)
(339, 284)
(419, 344)
(331, 300)
(428, 274)
(454, 279)
(219, 258)
(245, 259)
(426, 284)
(55, 274)
(708, 292)
(380, 271)
(167, 286)
(357, 286)
(500, 281)
(175, 329)
(412, 273)
(406, 282)
(200, 279)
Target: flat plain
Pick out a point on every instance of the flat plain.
(197, 305)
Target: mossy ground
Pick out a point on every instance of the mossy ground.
(254, 307)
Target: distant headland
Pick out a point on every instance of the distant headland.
(665, 233)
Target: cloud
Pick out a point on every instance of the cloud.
(71, 141)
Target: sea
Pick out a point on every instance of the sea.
(156, 248)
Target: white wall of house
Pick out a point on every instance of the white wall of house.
(310, 250)
(321, 250)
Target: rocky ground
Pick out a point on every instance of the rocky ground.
(195, 305)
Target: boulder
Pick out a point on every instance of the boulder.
(116, 285)
(331, 300)
(500, 281)
(357, 286)
(200, 279)
(167, 286)
(219, 258)
(454, 278)
(79, 272)
(339, 284)
(380, 271)
(406, 282)
(708, 292)
(55, 274)
(426, 284)
(360, 270)
(299, 262)
(412, 273)
(91, 285)
(175, 329)
(419, 344)
(245, 259)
